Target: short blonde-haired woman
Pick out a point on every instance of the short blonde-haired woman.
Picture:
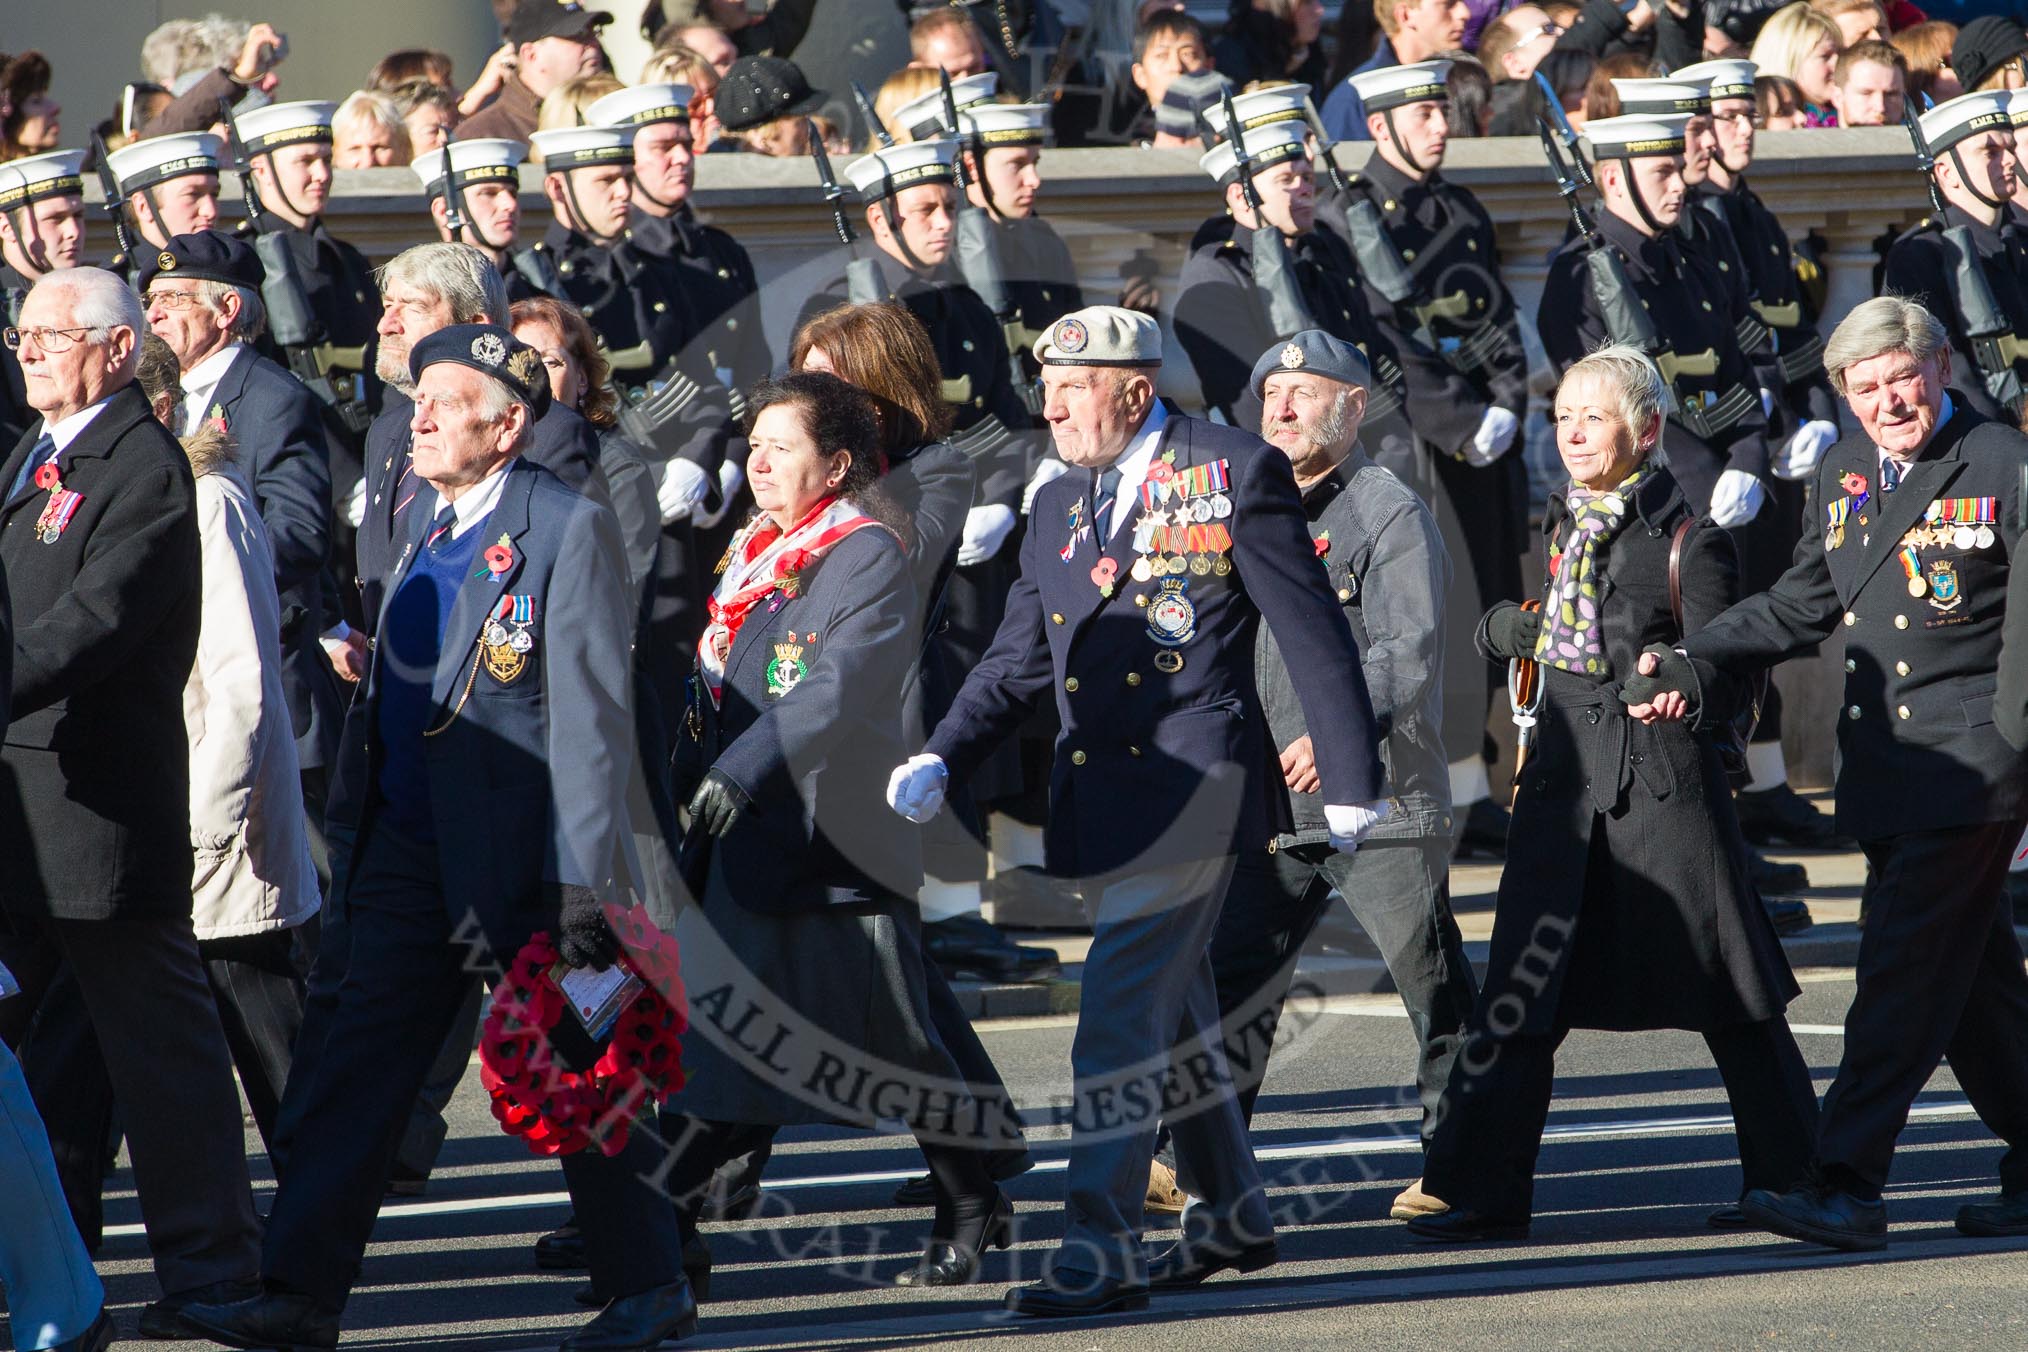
(1802, 45)
(1625, 903)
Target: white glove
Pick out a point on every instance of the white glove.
(916, 788)
(1495, 435)
(1798, 459)
(683, 487)
(1047, 472)
(986, 529)
(1349, 822)
(1767, 403)
(1736, 498)
(355, 506)
(731, 478)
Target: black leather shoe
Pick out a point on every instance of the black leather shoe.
(1001, 1165)
(740, 1202)
(403, 1181)
(1027, 898)
(1073, 1295)
(955, 1261)
(1186, 1263)
(1773, 878)
(97, 1338)
(1998, 1219)
(562, 1249)
(696, 1271)
(1819, 1214)
(638, 1322)
(1484, 832)
(1781, 815)
(966, 948)
(281, 1321)
(1728, 1218)
(1789, 915)
(1467, 1227)
(159, 1319)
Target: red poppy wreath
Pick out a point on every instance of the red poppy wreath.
(559, 1111)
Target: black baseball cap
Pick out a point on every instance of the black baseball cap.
(207, 256)
(759, 89)
(535, 20)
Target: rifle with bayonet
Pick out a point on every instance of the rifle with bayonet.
(292, 324)
(978, 252)
(1995, 348)
(1273, 270)
(116, 201)
(863, 282)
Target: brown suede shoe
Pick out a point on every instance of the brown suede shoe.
(1164, 1197)
(1412, 1201)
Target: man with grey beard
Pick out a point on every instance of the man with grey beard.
(1379, 544)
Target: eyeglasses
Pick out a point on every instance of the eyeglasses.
(51, 341)
(172, 300)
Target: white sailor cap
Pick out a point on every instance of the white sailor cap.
(143, 164)
(642, 105)
(1101, 335)
(36, 177)
(886, 172)
(1007, 124)
(268, 129)
(1661, 98)
(563, 149)
(1393, 86)
(2017, 107)
(1260, 108)
(1966, 116)
(486, 160)
(1636, 135)
(1730, 78)
(1265, 147)
(923, 118)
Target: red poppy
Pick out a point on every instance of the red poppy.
(499, 558)
(1323, 543)
(1854, 483)
(48, 476)
(1161, 471)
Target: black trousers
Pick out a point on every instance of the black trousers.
(142, 986)
(403, 985)
(1491, 503)
(1766, 544)
(1939, 976)
(1489, 1128)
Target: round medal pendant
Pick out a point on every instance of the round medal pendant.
(50, 535)
(1142, 569)
(1917, 587)
(1200, 510)
(1200, 565)
(496, 634)
(1221, 506)
(1983, 537)
(521, 641)
(1964, 537)
(1221, 565)
(1169, 661)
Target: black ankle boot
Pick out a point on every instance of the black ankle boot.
(952, 1256)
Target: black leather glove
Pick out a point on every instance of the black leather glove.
(1673, 672)
(718, 804)
(584, 939)
(1511, 631)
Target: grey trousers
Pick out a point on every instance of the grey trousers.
(1147, 1049)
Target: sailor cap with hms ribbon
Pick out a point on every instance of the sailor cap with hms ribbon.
(37, 177)
(1729, 78)
(268, 129)
(923, 118)
(1395, 86)
(143, 164)
(1265, 147)
(1634, 136)
(1968, 115)
(487, 160)
(887, 171)
(1662, 98)
(642, 106)
(567, 148)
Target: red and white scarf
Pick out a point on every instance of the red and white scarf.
(764, 559)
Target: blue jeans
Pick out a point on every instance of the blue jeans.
(53, 1294)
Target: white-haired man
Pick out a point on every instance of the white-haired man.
(98, 538)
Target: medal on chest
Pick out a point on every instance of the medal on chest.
(506, 642)
(60, 507)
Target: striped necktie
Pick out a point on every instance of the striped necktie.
(1102, 509)
(440, 528)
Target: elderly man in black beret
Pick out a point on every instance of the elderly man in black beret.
(1378, 542)
(497, 764)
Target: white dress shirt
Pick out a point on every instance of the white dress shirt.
(1133, 467)
(63, 432)
(476, 503)
(199, 383)
(1900, 464)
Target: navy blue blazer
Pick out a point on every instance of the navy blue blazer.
(809, 726)
(529, 777)
(563, 443)
(278, 426)
(1155, 767)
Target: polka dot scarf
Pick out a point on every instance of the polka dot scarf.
(1570, 634)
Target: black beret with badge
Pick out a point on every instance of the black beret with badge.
(492, 351)
(1317, 352)
(206, 256)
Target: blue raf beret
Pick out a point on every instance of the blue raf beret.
(1315, 351)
